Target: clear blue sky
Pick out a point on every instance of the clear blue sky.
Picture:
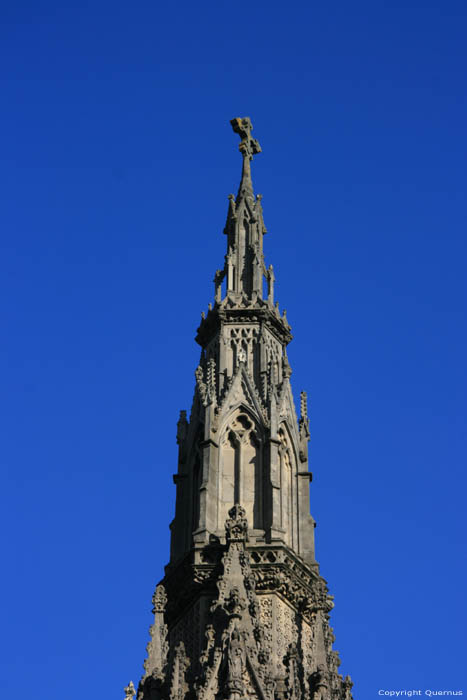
(117, 159)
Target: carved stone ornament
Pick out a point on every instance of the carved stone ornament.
(233, 604)
(236, 527)
(236, 666)
(248, 146)
(202, 386)
(159, 599)
(292, 662)
(130, 691)
(180, 664)
(347, 685)
(320, 684)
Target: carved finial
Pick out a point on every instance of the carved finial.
(303, 405)
(130, 691)
(159, 599)
(248, 148)
(347, 683)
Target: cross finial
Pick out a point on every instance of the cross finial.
(248, 146)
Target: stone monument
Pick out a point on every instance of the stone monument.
(242, 611)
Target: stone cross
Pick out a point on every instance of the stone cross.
(248, 146)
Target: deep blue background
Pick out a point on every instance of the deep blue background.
(117, 159)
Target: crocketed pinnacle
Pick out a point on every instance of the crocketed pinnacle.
(244, 267)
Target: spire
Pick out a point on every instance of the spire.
(244, 262)
(244, 282)
(248, 147)
(242, 612)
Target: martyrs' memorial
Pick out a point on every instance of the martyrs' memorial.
(242, 611)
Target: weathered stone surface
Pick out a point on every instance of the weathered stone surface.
(242, 611)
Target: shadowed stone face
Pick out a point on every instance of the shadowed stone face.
(242, 611)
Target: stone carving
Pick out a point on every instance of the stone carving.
(308, 645)
(201, 384)
(320, 684)
(285, 620)
(306, 596)
(130, 691)
(234, 605)
(235, 633)
(242, 356)
(241, 389)
(286, 368)
(292, 681)
(180, 664)
(236, 527)
(159, 599)
(210, 635)
(236, 665)
(248, 146)
(211, 380)
(157, 648)
(266, 622)
(347, 687)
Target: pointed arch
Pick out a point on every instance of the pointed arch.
(240, 474)
(241, 407)
(288, 484)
